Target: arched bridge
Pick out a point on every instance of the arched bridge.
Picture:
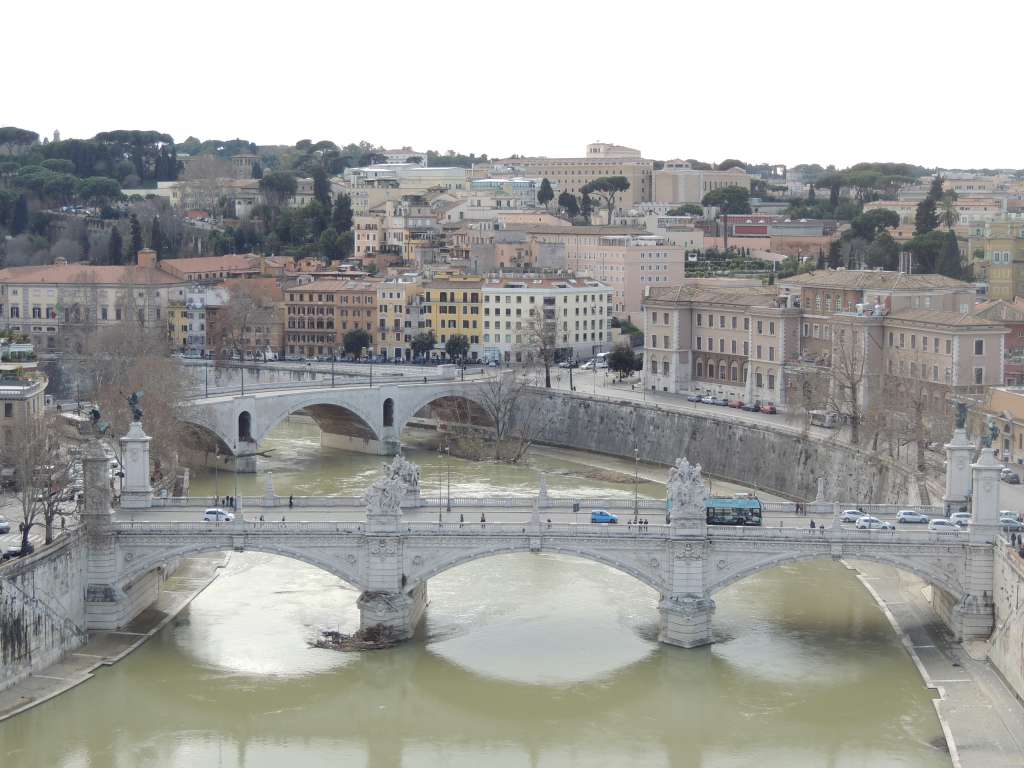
(358, 417)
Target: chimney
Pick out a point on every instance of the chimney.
(146, 258)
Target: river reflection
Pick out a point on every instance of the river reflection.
(522, 660)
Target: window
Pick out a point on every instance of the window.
(913, 341)
(700, 319)
(654, 341)
(771, 353)
(760, 327)
(746, 323)
(771, 381)
(979, 375)
(654, 366)
(699, 341)
(734, 322)
(8, 410)
(664, 367)
(721, 345)
(665, 339)
(935, 373)
(949, 346)
(890, 339)
(700, 369)
(666, 318)
(771, 328)
(979, 347)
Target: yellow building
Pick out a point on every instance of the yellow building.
(451, 305)
(398, 316)
(1001, 247)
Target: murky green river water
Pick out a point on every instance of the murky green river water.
(522, 660)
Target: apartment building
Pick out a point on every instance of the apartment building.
(321, 312)
(452, 305)
(58, 306)
(247, 316)
(1000, 246)
(735, 342)
(22, 397)
(396, 229)
(399, 316)
(570, 174)
(521, 314)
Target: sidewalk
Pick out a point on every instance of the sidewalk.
(982, 719)
(106, 648)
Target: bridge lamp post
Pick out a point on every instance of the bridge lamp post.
(636, 482)
(448, 466)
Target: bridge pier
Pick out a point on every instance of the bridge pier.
(685, 620)
(398, 611)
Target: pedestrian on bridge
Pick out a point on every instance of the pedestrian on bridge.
(291, 502)
(813, 525)
(483, 520)
(462, 519)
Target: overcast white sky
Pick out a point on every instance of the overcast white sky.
(933, 83)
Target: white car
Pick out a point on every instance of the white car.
(867, 522)
(942, 525)
(850, 516)
(960, 518)
(1009, 513)
(217, 515)
(910, 516)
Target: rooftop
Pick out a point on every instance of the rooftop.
(1000, 310)
(871, 280)
(72, 274)
(751, 297)
(933, 317)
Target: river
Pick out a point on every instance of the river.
(522, 660)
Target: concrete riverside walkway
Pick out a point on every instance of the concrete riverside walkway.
(106, 648)
(982, 719)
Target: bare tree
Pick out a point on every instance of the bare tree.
(250, 305)
(851, 376)
(203, 182)
(542, 340)
(43, 473)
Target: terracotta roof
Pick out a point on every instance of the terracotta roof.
(871, 280)
(229, 262)
(70, 274)
(934, 317)
(1000, 310)
(331, 284)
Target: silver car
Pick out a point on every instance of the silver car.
(5, 527)
(910, 516)
(850, 515)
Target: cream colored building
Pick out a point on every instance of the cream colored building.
(677, 183)
(518, 310)
(398, 315)
(569, 174)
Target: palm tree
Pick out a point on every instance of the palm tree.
(950, 216)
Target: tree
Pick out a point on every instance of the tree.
(156, 241)
(606, 188)
(567, 202)
(949, 262)
(230, 329)
(622, 360)
(731, 199)
(136, 236)
(355, 341)
(868, 225)
(98, 190)
(810, 193)
(926, 218)
(950, 215)
(542, 340)
(42, 470)
(19, 219)
(586, 204)
(545, 194)
(341, 216)
(687, 209)
(422, 343)
(115, 247)
(457, 347)
(329, 244)
(883, 252)
(278, 187)
(321, 187)
(926, 250)
(203, 182)
(732, 162)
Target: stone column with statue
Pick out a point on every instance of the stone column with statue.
(959, 451)
(137, 492)
(687, 610)
(386, 604)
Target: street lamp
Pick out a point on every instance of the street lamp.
(636, 482)
(448, 465)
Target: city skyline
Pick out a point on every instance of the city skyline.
(778, 90)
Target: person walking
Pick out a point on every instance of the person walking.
(483, 520)
(291, 502)
(462, 519)
(813, 525)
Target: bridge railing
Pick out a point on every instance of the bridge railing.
(520, 528)
(890, 510)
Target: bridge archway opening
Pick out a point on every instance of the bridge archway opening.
(448, 415)
(245, 426)
(201, 440)
(389, 412)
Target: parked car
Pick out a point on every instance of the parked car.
(708, 400)
(752, 407)
(1009, 513)
(602, 516)
(694, 398)
(736, 403)
(769, 408)
(16, 551)
(850, 516)
(960, 518)
(5, 527)
(942, 525)
(910, 516)
(867, 522)
(217, 515)
(720, 401)
(1010, 477)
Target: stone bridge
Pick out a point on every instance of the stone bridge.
(391, 558)
(357, 417)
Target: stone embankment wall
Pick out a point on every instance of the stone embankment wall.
(1006, 650)
(776, 460)
(42, 608)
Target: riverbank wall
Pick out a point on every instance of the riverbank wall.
(42, 608)
(1006, 646)
(769, 457)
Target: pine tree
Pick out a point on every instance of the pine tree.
(321, 187)
(115, 247)
(586, 204)
(19, 221)
(341, 216)
(949, 263)
(156, 240)
(545, 194)
(136, 236)
(810, 194)
(927, 218)
(257, 170)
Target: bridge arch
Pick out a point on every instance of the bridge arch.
(331, 410)
(933, 573)
(464, 402)
(142, 564)
(653, 577)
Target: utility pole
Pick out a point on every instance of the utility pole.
(636, 482)
(448, 465)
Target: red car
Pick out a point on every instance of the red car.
(736, 403)
(768, 408)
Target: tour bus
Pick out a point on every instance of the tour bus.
(827, 419)
(741, 509)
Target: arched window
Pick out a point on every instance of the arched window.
(700, 369)
(734, 373)
(711, 370)
(389, 413)
(245, 426)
